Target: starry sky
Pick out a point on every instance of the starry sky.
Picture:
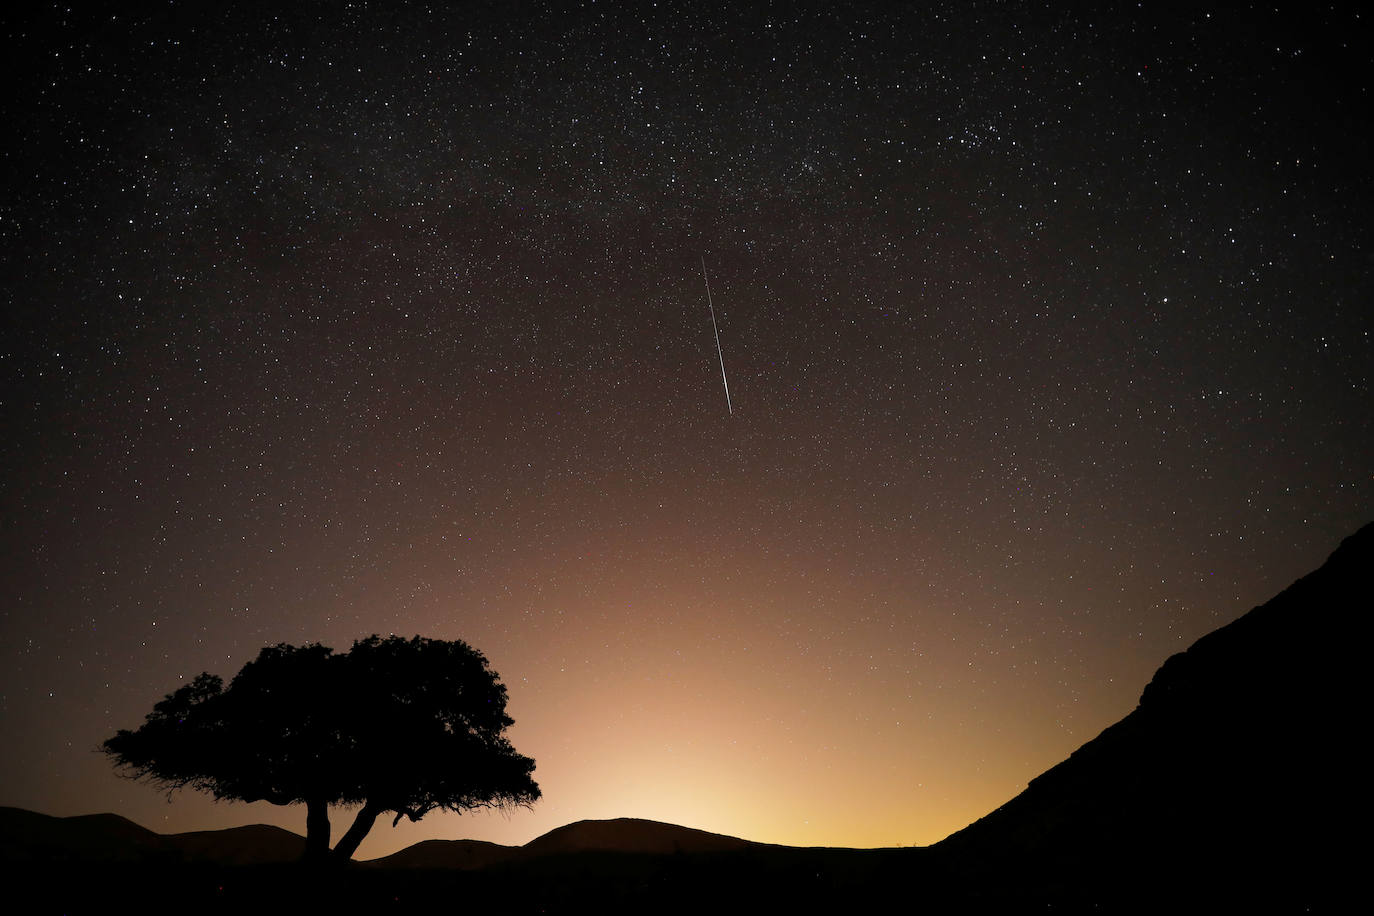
(1047, 333)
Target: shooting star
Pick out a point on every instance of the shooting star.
(719, 352)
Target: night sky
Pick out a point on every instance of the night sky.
(1048, 337)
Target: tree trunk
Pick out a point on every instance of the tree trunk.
(316, 830)
(348, 843)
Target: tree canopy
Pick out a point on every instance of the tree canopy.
(394, 725)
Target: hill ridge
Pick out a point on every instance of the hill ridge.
(1237, 761)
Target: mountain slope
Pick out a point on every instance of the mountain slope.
(1236, 770)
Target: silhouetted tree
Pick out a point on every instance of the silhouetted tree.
(394, 725)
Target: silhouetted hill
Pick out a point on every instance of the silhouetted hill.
(252, 845)
(1235, 775)
(30, 836)
(464, 854)
(629, 834)
(618, 835)
(614, 866)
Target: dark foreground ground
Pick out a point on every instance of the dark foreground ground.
(771, 881)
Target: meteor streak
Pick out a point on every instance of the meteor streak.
(719, 352)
